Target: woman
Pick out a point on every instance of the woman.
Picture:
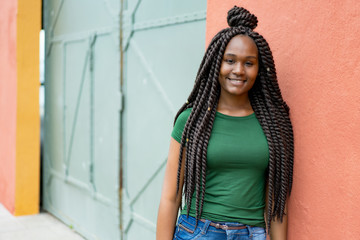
(231, 151)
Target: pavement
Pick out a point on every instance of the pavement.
(42, 226)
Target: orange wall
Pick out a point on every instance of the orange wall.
(8, 96)
(316, 49)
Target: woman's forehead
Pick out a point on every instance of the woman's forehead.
(241, 44)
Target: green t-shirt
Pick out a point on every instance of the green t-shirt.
(237, 160)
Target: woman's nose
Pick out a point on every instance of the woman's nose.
(238, 69)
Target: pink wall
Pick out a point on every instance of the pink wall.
(316, 46)
(8, 11)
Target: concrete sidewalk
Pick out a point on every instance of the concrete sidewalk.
(41, 226)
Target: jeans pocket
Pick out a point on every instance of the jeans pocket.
(186, 231)
(183, 234)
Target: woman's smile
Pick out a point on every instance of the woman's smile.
(236, 81)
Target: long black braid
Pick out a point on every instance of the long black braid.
(269, 107)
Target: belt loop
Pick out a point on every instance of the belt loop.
(205, 227)
(250, 231)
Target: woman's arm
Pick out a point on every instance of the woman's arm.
(170, 201)
(278, 229)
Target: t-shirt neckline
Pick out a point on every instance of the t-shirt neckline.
(234, 117)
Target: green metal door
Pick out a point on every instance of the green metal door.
(163, 43)
(81, 168)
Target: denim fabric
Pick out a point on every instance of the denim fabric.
(185, 230)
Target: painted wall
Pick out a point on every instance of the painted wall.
(316, 49)
(27, 114)
(20, 23)
(8, 96)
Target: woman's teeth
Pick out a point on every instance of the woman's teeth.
(235, 80)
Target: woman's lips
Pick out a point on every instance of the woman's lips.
(237, 82)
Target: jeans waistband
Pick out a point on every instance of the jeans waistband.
(223, 226)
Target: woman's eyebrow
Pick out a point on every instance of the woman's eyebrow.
(230, 54)
(234, 55)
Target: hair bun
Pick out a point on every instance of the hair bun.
(238, 16)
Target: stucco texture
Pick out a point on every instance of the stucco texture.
(7, 102)
(315, 45)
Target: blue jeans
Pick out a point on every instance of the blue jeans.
(185, 230)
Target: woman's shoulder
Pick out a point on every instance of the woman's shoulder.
(183, 117)
(180, 124)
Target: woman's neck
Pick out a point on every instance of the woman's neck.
(235, 105)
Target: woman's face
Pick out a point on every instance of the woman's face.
(239, 66)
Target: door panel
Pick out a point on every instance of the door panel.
(163, 46)
(81, 168)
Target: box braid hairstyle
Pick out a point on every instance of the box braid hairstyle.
(267, 103)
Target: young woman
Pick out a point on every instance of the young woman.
(231, 151)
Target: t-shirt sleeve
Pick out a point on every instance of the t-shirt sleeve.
(180, 125)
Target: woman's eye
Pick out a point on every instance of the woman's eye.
(249, 63)
(229, 61)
